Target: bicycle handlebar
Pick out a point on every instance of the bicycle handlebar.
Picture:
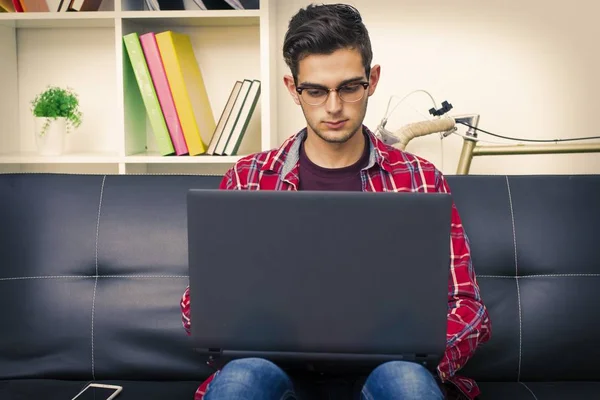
(406, 133)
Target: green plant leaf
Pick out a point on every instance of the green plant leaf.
(55, 102)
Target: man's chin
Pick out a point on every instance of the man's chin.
(333, 136)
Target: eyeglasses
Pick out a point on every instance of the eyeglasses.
(349, 93)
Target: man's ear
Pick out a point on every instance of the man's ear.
(374, 78)
(288, 80)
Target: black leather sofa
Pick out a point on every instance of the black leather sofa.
(93, 268)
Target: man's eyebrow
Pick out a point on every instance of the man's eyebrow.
(345, 81)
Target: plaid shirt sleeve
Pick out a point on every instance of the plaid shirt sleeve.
(468, 321)
(227, 183)
(185, 311)
(243, 174)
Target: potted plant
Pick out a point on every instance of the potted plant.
(56, 112)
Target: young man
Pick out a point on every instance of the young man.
(328, 51)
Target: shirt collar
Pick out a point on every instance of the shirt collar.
(285, 159)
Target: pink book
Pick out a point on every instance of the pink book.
(163, 91)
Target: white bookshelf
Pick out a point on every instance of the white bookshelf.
(85, 51)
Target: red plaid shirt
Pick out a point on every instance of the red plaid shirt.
(389, 169)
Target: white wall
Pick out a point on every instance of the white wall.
(530, 68)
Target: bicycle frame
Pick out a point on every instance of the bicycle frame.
(472, 148)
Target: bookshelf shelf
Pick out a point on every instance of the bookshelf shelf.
(71, 158)
(194, 18)
(155, 158)
(85, 51)
(99, 19)
(112, 158)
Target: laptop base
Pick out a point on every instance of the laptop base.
(319, 362)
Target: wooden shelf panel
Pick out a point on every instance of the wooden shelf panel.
(71, 158)
(99, 19)
(105, 19)
(194, 18)
(155, 158)
(112, 158)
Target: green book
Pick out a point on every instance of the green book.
(148, 93)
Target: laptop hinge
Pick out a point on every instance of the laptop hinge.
(217, 357)
(213, 355)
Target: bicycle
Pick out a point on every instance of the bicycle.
(447, 125)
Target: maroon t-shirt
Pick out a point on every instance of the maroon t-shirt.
(314, 177)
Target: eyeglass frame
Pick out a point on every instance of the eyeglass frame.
(365, 86)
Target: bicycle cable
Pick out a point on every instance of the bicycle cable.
(529, 140)
(477, 139)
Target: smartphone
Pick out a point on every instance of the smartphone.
(97, 391)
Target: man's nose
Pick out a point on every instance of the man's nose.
(333, 103)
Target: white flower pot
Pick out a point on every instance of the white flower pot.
(51, 141)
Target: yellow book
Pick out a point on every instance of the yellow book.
(188, 90)
(6, 6)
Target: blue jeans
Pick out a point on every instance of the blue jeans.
(256, 378)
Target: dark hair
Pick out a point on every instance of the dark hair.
(323, 29)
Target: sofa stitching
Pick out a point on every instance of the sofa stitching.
(96, 276)
(92, 335)
(512, 217)
(530, 391)
(144, 276)
(18, 278)
(540, 276)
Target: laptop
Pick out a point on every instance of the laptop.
(317, 279)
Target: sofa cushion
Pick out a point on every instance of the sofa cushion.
(534, 242)
(93, 268)
(50, 389)
(539, 390)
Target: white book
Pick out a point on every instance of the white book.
(63, 5)
(53, 5)
(235, 4)
(233, 116)
(243, 119)
(194, 5)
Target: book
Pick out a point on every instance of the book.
(188, 90)
(243, 119)
(146, 87)
(233, 117)
(163, 91)
(85, 5)
(224, 117)
(6, 6)
(53, 5)
(34, 5)
(17, 6)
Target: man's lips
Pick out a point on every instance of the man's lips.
(335, 124)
